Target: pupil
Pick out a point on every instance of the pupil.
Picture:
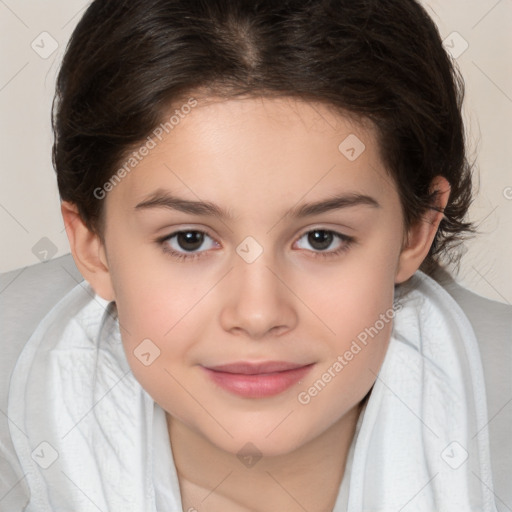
(190, 240)
(322, 239)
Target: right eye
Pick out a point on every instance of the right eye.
(184, 244)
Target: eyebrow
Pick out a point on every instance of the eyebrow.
(163, 199)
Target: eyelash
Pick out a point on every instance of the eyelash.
(348, 241)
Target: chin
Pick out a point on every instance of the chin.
(259, 443)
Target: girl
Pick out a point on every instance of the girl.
(257, 195)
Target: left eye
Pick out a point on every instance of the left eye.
(322, 239)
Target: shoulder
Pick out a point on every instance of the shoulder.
(26, 296)
(492, 324)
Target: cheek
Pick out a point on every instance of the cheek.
(149, 312)
(352, 295)
(153, 293)
(357, 305)
(349, 368)
(157, 336)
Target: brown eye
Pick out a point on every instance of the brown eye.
(187, 244)
(325, 243)
(320, 239)
(190, 240)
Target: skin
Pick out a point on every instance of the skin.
(256, 158)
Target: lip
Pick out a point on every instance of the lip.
(257, 380)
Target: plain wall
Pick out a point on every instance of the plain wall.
(30, 224)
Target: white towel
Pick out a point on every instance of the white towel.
(423, 444)
(89, 438)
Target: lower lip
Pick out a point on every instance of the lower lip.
(259, 385)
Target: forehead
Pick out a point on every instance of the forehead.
(253, 151)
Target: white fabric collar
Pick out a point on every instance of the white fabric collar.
(86, 433)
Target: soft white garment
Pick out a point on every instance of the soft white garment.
(89, 437)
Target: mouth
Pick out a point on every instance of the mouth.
(257, 380)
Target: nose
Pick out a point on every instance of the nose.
(258, 301)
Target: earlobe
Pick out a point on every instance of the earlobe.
(421, 235)
(88, 252)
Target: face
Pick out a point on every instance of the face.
(265, 235)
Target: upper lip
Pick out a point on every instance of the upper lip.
(248, 368)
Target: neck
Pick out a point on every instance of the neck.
(308, 478)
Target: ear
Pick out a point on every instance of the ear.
(88, 252)
(421, 235)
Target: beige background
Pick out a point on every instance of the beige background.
(30, 221)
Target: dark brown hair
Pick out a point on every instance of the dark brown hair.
(379, 61)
